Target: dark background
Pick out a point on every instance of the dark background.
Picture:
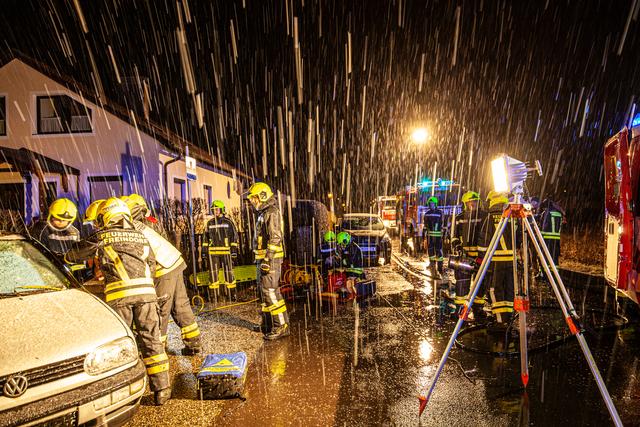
(522, 77)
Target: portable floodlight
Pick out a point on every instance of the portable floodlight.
(510, 174)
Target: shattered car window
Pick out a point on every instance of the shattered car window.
(24, 269)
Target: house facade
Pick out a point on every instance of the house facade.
(55, 142)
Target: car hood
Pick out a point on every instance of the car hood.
(51, 327)
(367, 233)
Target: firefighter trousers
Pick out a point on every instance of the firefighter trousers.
(434, 245)
(502, 290)
(224, 263)
(174, 302)
(554, 249)
(272, 305)
(144, 318)
(463, 286)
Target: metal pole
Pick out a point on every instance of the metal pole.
(523, 306)
(192, 232)
(484, 266)
(575, 329)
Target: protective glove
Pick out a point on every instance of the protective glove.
(234, 255)
(265, 267)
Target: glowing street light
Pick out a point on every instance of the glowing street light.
(420, 135)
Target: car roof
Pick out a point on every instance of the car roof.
(11, 236)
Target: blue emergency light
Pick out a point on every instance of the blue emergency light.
(636, 120)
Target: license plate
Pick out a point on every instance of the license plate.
(69, 419)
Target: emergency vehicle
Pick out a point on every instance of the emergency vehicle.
(413, 204)
(385, 207)
(622, 210)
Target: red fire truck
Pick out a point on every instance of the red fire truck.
(385, 206)
(412, 204)
(622, 210)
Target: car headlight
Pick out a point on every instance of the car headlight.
(110, 356)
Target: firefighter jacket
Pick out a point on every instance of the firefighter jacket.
(220, 236)
(468, 228)
(268, 243)
(504, 250)
(126, 261)
(433, 221)
(550, 220)
(57, 241)
(350, 257)
(167, 256)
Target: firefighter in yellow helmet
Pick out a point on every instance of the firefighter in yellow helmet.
(127, 264)
(433, 221)
(468, 226)
(269, 252)
(220, 247)
(169, 280)
(57, 233)
(499, 278)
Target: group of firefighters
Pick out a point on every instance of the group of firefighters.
(142, 272)
(472, 231)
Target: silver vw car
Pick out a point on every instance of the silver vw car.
(65, 357)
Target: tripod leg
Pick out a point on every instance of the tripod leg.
(475, 287)
(575, 329)
(522, 308)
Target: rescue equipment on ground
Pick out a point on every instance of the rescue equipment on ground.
(222, 376)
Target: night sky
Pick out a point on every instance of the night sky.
(338, 86)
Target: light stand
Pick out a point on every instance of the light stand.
(517, 211)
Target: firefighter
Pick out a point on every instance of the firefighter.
(57, 233)
(269, 252)
(88, 225)
(499, 278)
(220, 247)
(327, 252)
(468, 225)
(168, 280)
(433, 221)
(349, 255)
(144, 215)
(550, 220)
(127, 263)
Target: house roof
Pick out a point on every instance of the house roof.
(25, 160)
(169, 139)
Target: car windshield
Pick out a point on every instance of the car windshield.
(24, 269)
(362, 223)
(389, 204)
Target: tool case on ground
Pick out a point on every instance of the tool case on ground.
(222, 376)
(365, 288)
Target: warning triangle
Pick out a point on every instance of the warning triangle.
(224, 362)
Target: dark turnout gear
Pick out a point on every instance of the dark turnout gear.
(350, 259)
(500, 275)
(433, 222)
(127, 264)
(550, 219)
(56, 240)
(170, 288)
(220, 246)
(269, 252)
(468, 226)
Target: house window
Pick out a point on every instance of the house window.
(61, 114)
(103, 187)
(208, 195)
(179, 190)
(3, 116)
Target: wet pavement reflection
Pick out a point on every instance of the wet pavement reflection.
(315, 377)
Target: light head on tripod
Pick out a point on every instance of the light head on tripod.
(510, 174)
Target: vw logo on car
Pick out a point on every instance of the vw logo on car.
(15, 386)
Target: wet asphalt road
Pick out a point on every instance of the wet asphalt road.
(326, 374)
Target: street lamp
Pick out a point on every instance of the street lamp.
(420, 135)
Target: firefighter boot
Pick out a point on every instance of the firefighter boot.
(266, 324)
(277, 333)
(162, 396)
(191, 351)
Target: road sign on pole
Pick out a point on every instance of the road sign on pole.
(192, 174)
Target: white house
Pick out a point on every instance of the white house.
(56, 140)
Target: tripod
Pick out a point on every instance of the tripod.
(520, 213)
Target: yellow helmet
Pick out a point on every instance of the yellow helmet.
(497, 198)
(112, 210)
(63, 209)
(260, 190)
(470, 196)
(137, 205)
(92, 211)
